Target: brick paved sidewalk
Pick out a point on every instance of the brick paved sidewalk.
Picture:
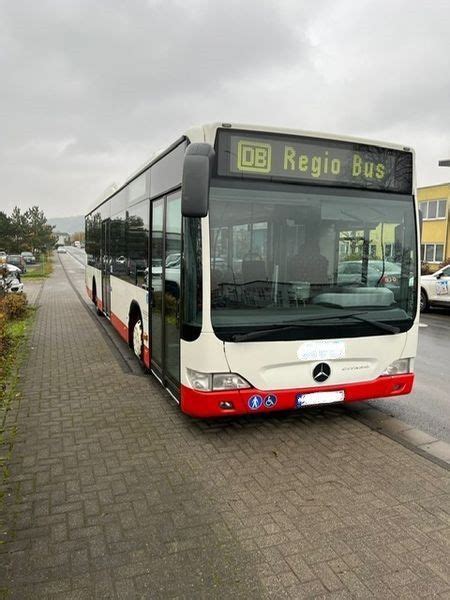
(32, 288)
(115, 494)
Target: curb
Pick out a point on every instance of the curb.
(412, 438)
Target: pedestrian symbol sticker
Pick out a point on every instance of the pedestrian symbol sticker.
(270, 401)
(255, 402)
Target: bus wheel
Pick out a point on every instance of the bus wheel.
(424, 304)
(94, 297)
(137, 338)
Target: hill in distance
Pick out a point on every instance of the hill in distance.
(67, 224)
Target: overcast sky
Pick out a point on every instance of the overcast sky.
(90, 89)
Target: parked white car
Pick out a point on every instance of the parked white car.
(435, 289)
(11, 281)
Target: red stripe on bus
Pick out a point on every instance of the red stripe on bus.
(119, 326)
(147, 357)
(207, 404)
(122, 329)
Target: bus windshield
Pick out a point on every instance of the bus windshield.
(286, 254)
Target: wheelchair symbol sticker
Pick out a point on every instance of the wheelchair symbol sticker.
(270, 401)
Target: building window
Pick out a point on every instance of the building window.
(442, 209)
(433, 253)
(388, 250)
(439, 253)
(429, 252)
(434, 209)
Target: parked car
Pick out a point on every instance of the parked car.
(28, 257)
(435, 289)
(15, 287)
(61, 250)
(387, 274)
(18, 261)
(13, 269)
(10, 281)
(173, 259)
(391, 271)
(172, 273)
(350, 273)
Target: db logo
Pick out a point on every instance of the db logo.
(254, 157)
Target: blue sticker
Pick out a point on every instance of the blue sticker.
(255, 402)
(270, 401)
(299, 401)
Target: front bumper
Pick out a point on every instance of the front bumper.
(208, 404)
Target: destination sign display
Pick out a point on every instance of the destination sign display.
(316, 161)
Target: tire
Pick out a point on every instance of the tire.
(94, 298)
(424, 304)
(137, 338)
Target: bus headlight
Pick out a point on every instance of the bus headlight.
(200, 381)
(398, 367)
(229, 381)
(207, 382)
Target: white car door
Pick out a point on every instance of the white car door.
(440, 287)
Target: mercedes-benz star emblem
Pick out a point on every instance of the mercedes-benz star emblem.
(321, 372)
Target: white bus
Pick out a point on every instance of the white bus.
(256, 269)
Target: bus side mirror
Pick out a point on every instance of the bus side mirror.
(197, 168)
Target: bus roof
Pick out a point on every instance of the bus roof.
(207, 133)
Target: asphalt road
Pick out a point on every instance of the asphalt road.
(428, 407)
(77, 253)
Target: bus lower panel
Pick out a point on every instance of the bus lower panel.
(208, 404)
(123, 331)
(120, 327)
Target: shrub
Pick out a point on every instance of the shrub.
(4, 338)
(425, 269)
(13, 306)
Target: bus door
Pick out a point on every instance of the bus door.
(106, 267)
(172, 281)
(155, 285)
(165, 289)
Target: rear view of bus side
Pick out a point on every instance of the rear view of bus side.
(255, 269)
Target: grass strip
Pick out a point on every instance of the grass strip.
(43, 269)
(16, 332)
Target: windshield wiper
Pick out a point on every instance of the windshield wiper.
(240, 337)
(357, 316)
(255, 333)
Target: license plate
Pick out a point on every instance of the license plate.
(315, 398)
